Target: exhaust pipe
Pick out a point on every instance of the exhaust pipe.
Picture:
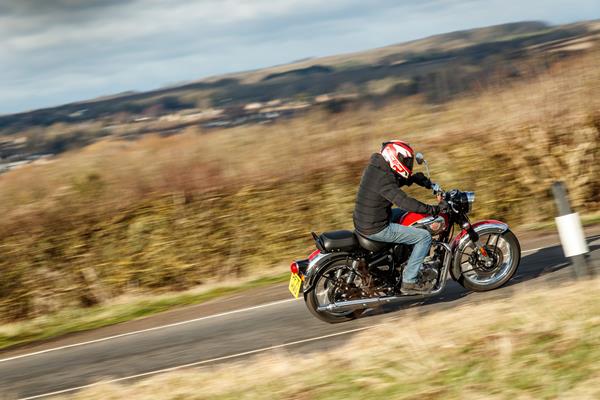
(361, 304)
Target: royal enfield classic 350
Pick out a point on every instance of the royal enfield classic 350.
(348, 273)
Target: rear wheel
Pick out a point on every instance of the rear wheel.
(504, 254)
(336, 282)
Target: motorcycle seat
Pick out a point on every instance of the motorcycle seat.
(338, 241)
(370, 245)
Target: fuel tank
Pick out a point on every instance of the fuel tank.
(432, 223)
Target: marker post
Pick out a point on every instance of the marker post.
(571, 232)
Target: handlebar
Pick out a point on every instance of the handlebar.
(436, 189)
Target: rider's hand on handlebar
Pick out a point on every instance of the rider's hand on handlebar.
(444, 207)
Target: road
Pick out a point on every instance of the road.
(282, 324)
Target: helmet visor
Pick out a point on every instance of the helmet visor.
(407, 161)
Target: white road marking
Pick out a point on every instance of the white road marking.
(189, 321)
(592, 239)
(534, 250)
(195, 364)
(273, 303)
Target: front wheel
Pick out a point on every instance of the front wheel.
(504, 254)
(336, 282)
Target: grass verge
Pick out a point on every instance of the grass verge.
(542, 343)
(129, 308)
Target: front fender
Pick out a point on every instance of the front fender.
(317, 264)
(462, 239)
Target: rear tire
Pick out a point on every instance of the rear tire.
(508, 252)
(319, 289)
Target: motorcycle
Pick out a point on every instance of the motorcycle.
(348, 273)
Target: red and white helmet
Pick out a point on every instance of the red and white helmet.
(400, 156)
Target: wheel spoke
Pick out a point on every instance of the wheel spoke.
(331, 285)
(497, 238)
(468, 263)
(473, 268)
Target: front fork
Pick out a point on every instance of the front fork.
(474, 236)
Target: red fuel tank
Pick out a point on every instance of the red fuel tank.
(410, 218)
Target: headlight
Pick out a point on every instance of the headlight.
(461, 202)
(470, 199)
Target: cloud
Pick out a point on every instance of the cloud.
(54, 51)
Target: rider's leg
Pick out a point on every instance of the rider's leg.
(420, 238)
(419, 252)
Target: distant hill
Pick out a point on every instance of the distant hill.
(300, 72)
(438, 67)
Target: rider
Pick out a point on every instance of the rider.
(379, 188)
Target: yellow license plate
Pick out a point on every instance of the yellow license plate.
(295, 285)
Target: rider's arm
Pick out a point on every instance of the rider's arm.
(391, 191)
(420, 179)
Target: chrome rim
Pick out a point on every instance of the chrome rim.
(480, 273)
(332, 286)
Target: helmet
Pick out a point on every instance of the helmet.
(400, 156)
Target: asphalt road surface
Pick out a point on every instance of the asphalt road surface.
(282, 324)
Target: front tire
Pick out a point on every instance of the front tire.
(505, 250)
(325, 291)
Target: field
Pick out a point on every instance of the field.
(541, 343)
(167, 214)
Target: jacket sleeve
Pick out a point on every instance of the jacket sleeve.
(420, 179)
(392, 192)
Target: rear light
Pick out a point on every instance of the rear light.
(313, 255)
(294, 268)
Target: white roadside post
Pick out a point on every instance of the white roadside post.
(570, 231)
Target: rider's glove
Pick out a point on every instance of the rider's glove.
(443, 207)
(433, 209)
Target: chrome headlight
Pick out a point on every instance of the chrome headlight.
(470, 199)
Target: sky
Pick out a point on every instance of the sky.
(58, 51)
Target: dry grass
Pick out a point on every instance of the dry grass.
(169, 213)
(541, 343)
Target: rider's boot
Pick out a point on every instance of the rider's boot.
(422, 285)
(415, 288)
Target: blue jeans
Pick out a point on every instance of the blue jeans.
(396, 233)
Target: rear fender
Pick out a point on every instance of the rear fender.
(462, 239)
(321, 261)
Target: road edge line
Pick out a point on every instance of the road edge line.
(147, 330)
(197, 363)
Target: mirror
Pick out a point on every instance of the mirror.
(419, 158)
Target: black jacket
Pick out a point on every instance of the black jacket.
(379, 189)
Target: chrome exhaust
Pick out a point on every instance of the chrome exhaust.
(359, 304)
